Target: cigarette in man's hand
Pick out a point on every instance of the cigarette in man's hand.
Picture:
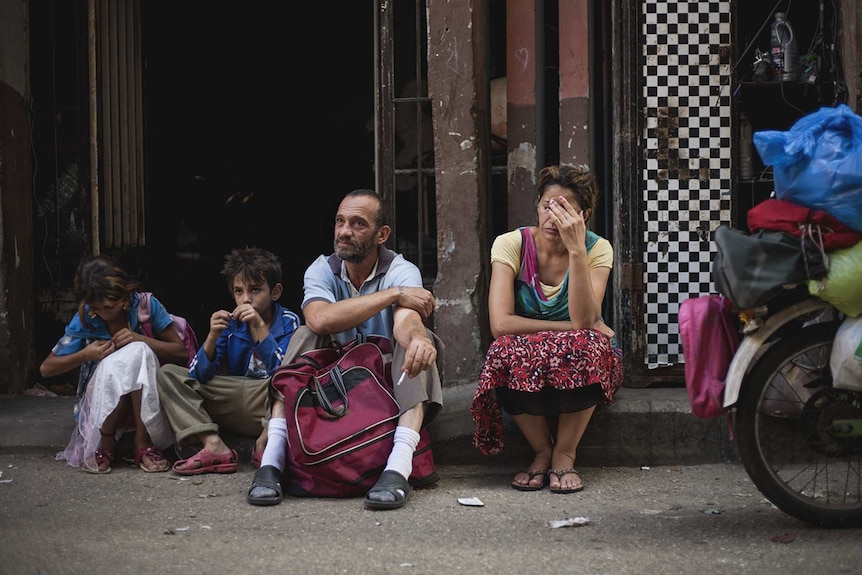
(401, 379)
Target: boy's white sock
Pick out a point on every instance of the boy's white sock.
(275, 453)
(401, 458)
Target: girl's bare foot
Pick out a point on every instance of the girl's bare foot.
(260, 442)
(259, 446)
(151, 459)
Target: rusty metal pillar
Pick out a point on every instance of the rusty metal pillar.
(524, 87)
(575, 82)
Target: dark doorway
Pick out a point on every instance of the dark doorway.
(251, 137)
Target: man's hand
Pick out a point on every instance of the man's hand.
(420, 354)
(419, 299)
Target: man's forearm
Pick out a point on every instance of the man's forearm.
(407, 325)
(344, 315)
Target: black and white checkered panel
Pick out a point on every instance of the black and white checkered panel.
(687, 157)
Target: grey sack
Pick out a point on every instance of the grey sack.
(751, 269)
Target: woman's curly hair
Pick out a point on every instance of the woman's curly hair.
(579, 180)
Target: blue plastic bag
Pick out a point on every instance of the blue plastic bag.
(818, 162)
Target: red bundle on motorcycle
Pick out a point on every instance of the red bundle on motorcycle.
(781, 215)
(709, 339)
(341, 417)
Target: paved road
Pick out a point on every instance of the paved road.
(678, 519)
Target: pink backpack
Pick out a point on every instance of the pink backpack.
(709, 340)
(185, 331)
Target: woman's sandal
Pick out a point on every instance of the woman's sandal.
(560, 473)
(533, 473)
(155, 456)
(393, 483)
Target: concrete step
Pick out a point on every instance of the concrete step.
(644, 427)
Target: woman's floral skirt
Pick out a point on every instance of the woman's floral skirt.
(562, 360)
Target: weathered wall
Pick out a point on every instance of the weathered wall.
(851, 51)
(456, 81)
(16, 216)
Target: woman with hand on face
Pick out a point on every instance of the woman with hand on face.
(118, 364)
(553, 358)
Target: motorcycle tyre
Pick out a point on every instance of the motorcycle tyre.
(783, 496)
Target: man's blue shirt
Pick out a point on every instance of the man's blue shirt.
(326, 280)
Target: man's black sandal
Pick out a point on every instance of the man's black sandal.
(265, 487)
(389, 482)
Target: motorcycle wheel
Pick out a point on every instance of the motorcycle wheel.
(783, 426)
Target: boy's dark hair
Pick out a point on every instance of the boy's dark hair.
(252, 265)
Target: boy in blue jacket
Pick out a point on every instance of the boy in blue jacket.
(227, 384)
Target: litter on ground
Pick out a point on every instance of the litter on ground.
(571, 522)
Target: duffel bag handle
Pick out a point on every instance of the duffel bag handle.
(382, 342)
(304, 360)
(335, 376)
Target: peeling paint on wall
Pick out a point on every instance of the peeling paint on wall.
(445, 243)
(524, 156)
(465, 304)
(462, 307)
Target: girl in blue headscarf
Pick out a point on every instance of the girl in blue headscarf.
(118, 363)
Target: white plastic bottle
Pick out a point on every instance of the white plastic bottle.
(784, 50)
